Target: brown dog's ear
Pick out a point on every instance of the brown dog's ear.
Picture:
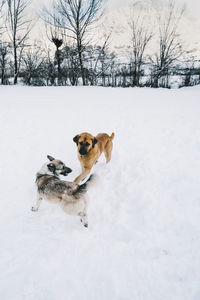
(94, 142)
(76, 138)
(50, 157)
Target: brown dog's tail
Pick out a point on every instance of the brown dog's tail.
(112, 136)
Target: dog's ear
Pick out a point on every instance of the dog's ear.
(50, 157)
(76, 138)
(94, 142)
(51, 167)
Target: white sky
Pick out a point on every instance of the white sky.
(193, 6)
(192, 21)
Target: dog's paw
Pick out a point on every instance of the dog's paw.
(33, 208)
(84, 222)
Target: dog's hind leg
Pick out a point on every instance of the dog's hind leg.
(108, 150)
(38, 202)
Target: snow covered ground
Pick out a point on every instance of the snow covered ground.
(143, 239)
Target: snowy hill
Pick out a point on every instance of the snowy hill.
(143, 238)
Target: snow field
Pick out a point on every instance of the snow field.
(143, 238)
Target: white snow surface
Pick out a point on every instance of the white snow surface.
(143, 239)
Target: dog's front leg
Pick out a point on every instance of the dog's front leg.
(38, 202)
(82, 176)
(84, 219)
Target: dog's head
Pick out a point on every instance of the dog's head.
(57, 167)
(85, 142)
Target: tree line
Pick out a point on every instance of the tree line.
(77, 59)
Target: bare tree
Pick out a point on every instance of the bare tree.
(141, 34)
(77, 16)
(19, 28)
(32, 63)
(3, 45)
(170, 47)
(100, 61)
(4, 51)
(56, 35)
(71, 66)
(2, 2)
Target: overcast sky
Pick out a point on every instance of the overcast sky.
(193, 6)
(192, 20)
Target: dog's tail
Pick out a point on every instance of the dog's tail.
(83, 188)
(112, 136)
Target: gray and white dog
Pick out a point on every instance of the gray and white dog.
(71, 196)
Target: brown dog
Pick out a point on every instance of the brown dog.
(89, 150)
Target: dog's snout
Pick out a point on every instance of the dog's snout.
(83, 151)
(68, 170)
